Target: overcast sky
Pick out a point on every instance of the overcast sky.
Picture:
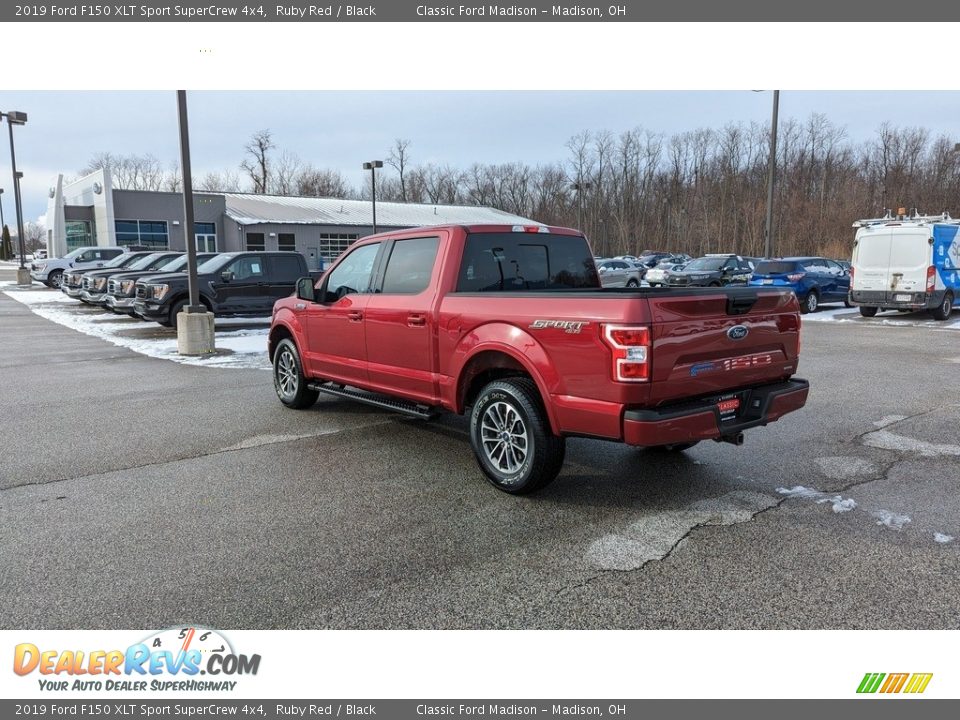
(341, 130)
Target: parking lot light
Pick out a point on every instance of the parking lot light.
(16, 117)
(372, 167)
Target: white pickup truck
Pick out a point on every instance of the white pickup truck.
(50, 272)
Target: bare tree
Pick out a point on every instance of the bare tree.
(399, 159)
(226, 181)
(257, 166)
(287, 170)
(128, 172)
(322, 183)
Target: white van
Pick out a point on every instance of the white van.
(906, 263)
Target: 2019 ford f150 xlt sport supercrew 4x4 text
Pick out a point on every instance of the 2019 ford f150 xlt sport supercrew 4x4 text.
(511, 325)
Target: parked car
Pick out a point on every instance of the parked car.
(50, 272)
(907, 263)
(40, 255)
(619, 273)
(71, 282)
(628, 258)
(650, 260)
(659, 275)
(712, 271)
(243, 283)
(815, 280)
(120, 293)
(95, 286)
(510, 324)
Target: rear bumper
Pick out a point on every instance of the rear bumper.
(894, 299)
(700, 420)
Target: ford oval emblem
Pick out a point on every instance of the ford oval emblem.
(738, 332)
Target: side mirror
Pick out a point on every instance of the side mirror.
(226, 275)
(305, 289)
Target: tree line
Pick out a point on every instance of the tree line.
(697, 192)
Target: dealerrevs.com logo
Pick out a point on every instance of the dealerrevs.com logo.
(893, 683)
(178, 659)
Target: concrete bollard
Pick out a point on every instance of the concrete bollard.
(195, 333)
(23, 276)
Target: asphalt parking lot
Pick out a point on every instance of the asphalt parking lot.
(140, 492)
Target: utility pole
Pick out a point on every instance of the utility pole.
(772, 176)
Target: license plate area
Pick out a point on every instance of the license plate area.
(902, 298)
(729, 406)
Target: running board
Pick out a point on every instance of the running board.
(423, 412)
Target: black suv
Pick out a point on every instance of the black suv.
(712, 271)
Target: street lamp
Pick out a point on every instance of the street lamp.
(771, 176)
(15, 117)
(577, 187)
(372, 167)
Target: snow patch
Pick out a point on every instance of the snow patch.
(241, 348)
(891, 519)
(942, 539)
(800, 491)
(838, 503)
(653, 537)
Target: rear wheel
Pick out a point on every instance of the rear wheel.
(811, 302)
(946, 306)
(632, 284)
(511, 437)
(55, 279)
(868, 311)
(288, 377)
(177, 308)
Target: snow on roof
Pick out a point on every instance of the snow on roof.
(247, 209)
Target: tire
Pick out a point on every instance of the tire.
(946, 307)
(675, 447)
(846, 301)
(868, 311)
(632, 284)
(175, 310)
(511, 410)
(714, 284)
(55, 279)
(810, 303)
(288, 378)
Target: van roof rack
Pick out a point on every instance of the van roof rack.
(914, 217)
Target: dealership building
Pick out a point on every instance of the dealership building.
(89, 211)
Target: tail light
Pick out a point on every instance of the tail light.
(851, 276)
(796, 277)
(931, 279)
(630, 345)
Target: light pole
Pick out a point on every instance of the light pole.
(15, 117)
(372, 167)
(577, 187)
(2, 223)
(195, 329)
(772, 176)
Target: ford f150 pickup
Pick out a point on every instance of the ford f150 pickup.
(511, 325)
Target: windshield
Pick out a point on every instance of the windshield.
(175, 265)
(121, 260)
(707, 263)
(144, 263)
(215, 263)
(73, 253)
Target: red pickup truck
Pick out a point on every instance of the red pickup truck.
(511, 324)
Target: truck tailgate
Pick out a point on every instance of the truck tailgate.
(712, 342)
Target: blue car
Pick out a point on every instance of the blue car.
(814, 280)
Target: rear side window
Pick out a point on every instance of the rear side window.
(775, 268)
(517, 262)
(286, 268)
(816, 266)
(410, 266)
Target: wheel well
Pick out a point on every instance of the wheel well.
(280, 332)
(484, 368)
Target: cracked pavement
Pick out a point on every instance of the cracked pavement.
(138, 492)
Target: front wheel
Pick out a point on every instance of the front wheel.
(55, 279)
(633, 284)
(511, 437)
(288, 377)
(943, 311)
(867, 311)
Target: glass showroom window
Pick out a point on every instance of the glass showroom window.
(152, 234)
(256, 242)
(78, 234)
(287, 242)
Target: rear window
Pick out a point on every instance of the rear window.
(517, 262)
(775, 268)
